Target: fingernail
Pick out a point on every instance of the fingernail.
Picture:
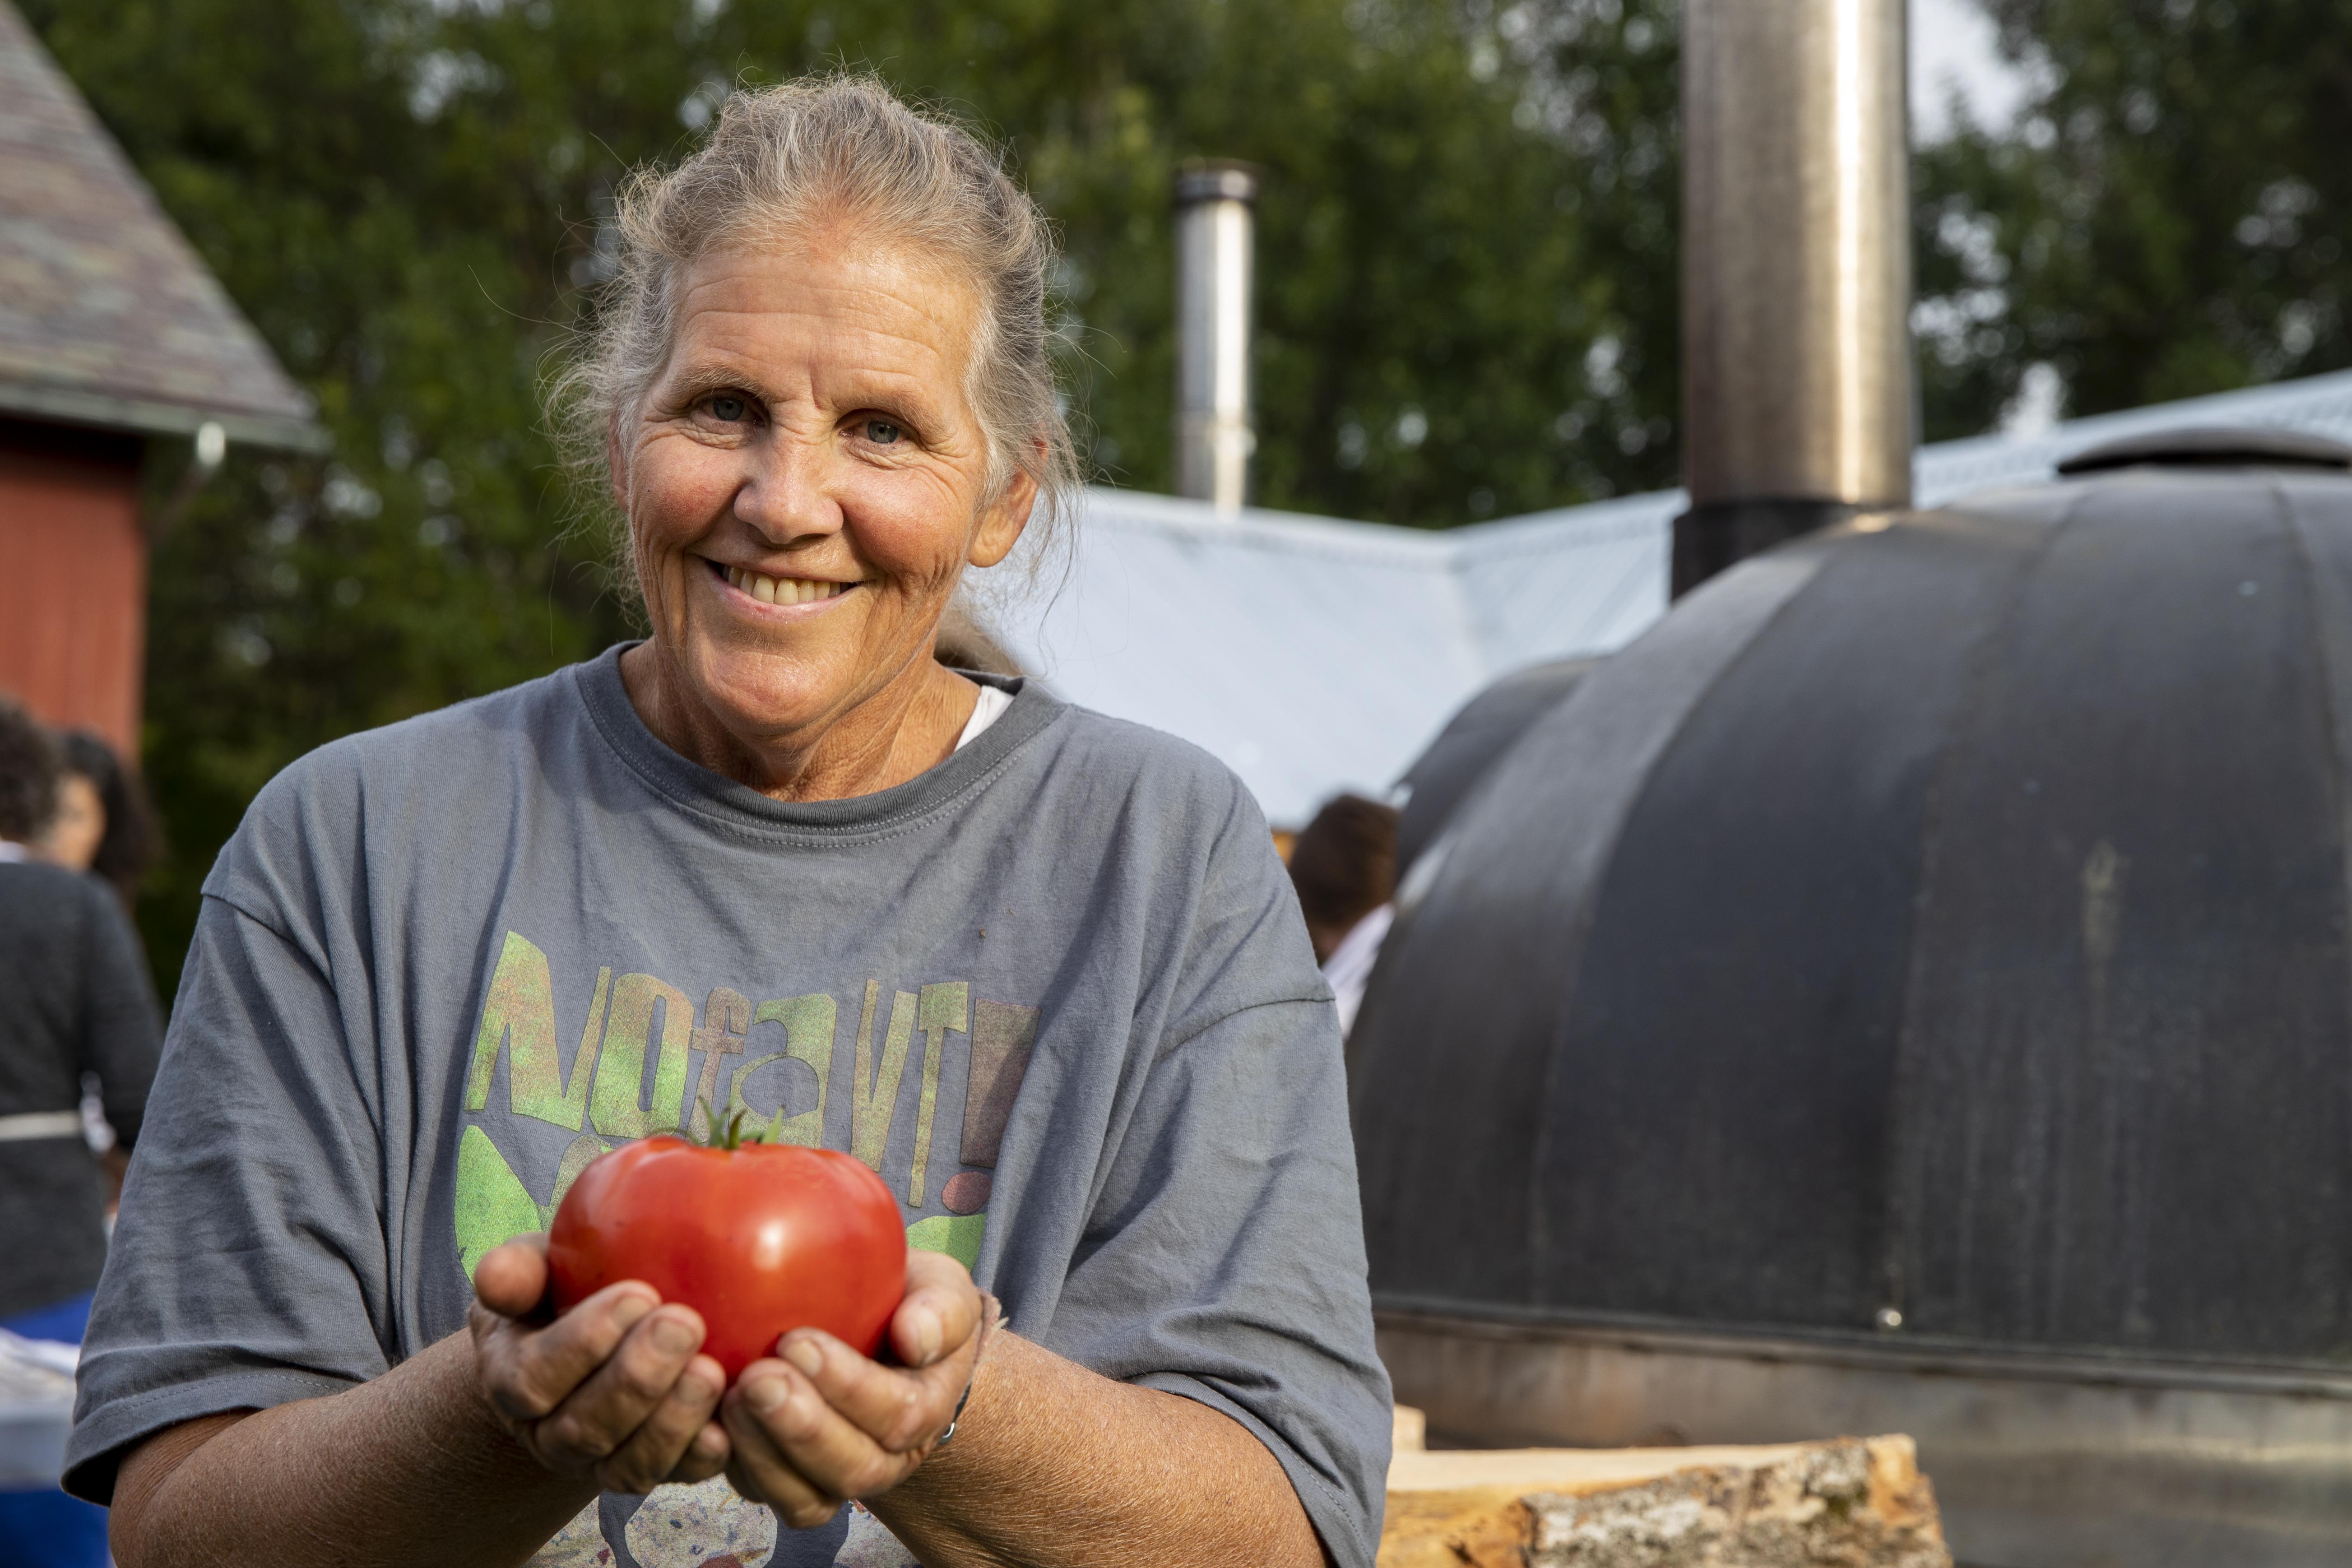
(766, 1395)
(694, 1390)
(629, 1310)
(675, 1336)
(804, 1356)
(926, 1339)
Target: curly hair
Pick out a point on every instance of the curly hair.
(30, 761)
(133, 836)
(786, 159)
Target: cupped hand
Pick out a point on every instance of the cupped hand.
(612, 1389)
(819, 1424)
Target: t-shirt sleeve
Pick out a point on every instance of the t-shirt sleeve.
(1224, 1258)
(121, 1039)
(248, 1267)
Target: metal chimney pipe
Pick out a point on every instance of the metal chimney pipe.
(1797, 405)
(1214, 203)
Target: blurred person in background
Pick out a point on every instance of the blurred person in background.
(79, 1003)
(1344, 866)
(103, 824)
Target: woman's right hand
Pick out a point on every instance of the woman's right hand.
(613, 1388)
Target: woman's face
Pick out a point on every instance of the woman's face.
(80, 825)
(806, 481)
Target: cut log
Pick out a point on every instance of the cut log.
(1409, 1430)
(1850, 1503)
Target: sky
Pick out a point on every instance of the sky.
(1953, 43)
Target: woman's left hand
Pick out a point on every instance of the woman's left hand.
(819, 1424)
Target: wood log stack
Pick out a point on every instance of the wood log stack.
(1853, 1502)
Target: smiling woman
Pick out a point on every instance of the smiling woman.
(1040, 971)
(820, 379)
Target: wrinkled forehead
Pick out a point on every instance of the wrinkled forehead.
(841, 259)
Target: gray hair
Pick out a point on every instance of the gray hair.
(783, 159)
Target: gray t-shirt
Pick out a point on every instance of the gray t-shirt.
(1055, 989)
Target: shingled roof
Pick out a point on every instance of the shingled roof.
(107, 317)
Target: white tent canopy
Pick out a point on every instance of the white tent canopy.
(1312, 656)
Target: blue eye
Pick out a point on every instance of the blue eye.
(728, 408)
(882, 433)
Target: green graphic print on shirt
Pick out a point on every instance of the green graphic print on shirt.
(920, 1088)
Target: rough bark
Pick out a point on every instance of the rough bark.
(1848, 1503)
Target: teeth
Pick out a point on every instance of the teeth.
(783, 590)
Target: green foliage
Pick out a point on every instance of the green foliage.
(402, 284)
(1467, 272)
(1466, 257)
(2167, 220)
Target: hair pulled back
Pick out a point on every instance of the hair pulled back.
(786, 159)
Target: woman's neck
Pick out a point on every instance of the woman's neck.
(909, 726)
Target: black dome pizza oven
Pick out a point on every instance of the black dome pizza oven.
(1910, 988)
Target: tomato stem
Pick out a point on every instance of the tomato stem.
(728, 1134)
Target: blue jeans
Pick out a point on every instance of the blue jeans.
(47, 1529)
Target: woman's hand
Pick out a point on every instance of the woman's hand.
(613, 1388)
(821, 1423)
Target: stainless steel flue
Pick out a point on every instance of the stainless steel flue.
(1216, 205)
(1798, 406)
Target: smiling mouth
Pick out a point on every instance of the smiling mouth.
(782, 590)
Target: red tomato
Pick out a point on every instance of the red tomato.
(760, 1239)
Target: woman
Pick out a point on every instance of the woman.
(1039, 969)
(103, 824)
(79, 1004)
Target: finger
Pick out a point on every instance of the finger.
(705, 1455)
(901, 1409)
(513, 1280)
(942, 1310)
(528, 1371)
(823, 1444)
(623, 1391)
(758, 1464)
(646, 1456)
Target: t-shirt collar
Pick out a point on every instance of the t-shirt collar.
(690, 785)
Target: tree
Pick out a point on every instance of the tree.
(1466, 258)
(2167, 219)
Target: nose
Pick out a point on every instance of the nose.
(785, 496)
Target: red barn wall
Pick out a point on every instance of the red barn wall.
(73, 579)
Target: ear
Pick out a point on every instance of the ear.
(1002, 523)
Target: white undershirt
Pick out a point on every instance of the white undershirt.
(1349, 968)
(994, 702)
